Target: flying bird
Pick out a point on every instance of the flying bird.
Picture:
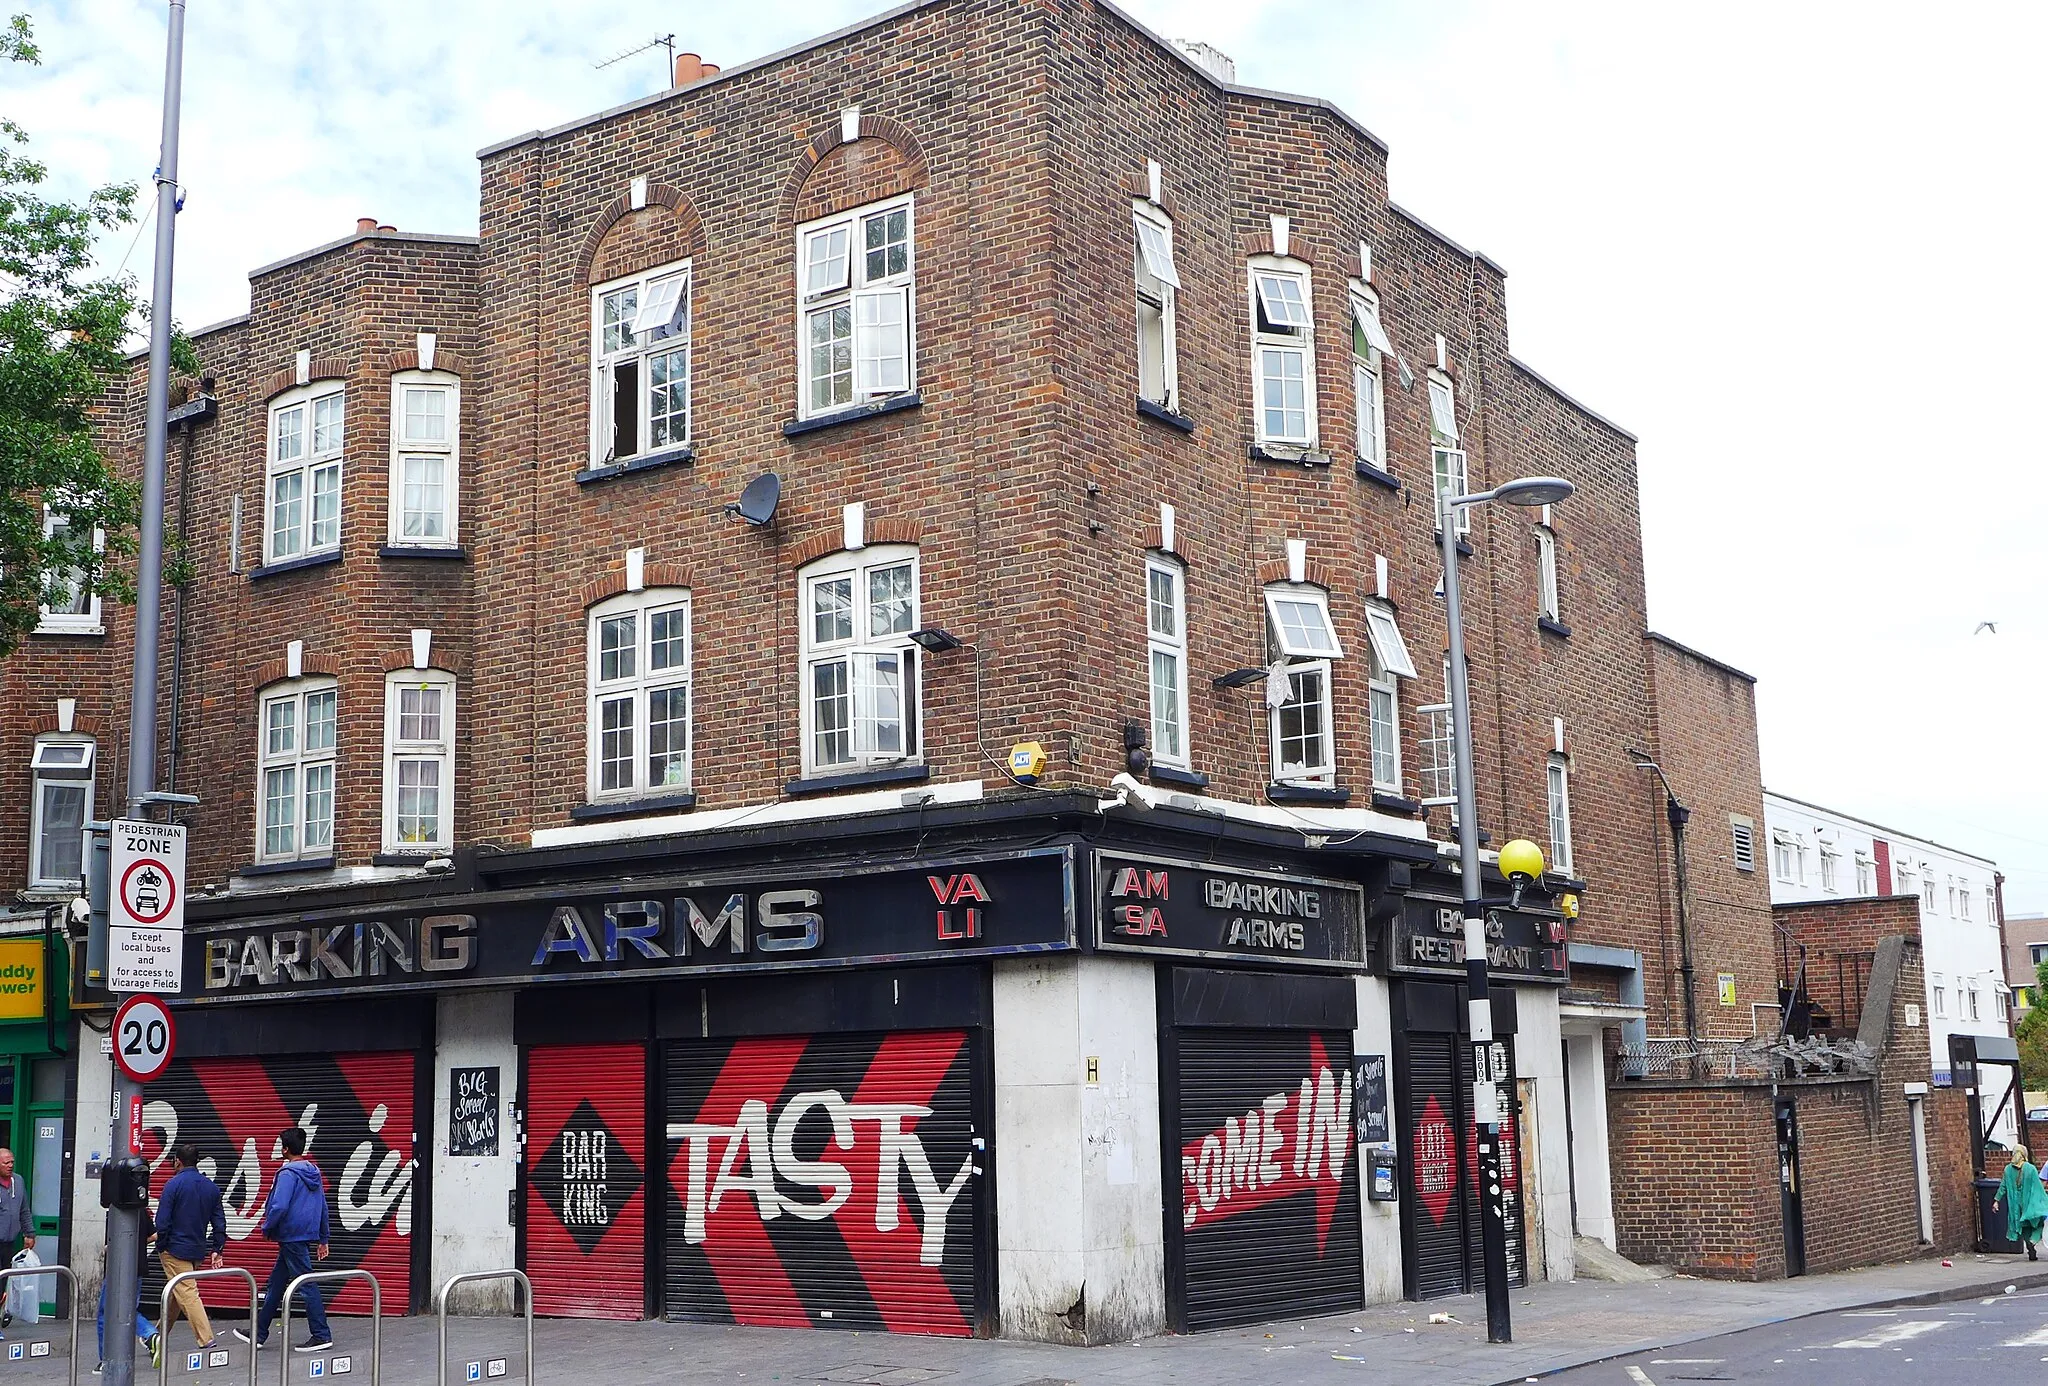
(1983, 626)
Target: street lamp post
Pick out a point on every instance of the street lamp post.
(1493, 1228)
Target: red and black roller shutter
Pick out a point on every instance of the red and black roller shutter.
(824, 1182)
(357, 1110)
(1440, 1168)
(1268, 1187)
(585, 1242)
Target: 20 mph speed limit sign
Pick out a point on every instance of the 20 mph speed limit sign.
(144, 1038)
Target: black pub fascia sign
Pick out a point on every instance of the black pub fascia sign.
(1429, 937)
(1015, 903)
(1191, 909)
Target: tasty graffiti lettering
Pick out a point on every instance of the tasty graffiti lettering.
(750, 1156)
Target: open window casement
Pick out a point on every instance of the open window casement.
(1282, 302)
(1387, 645)
(1157, 251)
(1299, 622)
(1443, 410)
(1366, 319)
(661, 308)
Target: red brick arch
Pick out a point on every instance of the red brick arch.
(681, 237)
(901, 171)
(81, 725)
(409, 360)
(444, 660)
(311, 666)
(1139, 186)
(320, 368)
(833, 540)
(613, 582)
(1314, 574)
(1261, 243)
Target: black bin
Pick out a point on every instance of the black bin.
(1990, 1221)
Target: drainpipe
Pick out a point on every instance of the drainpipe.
(186, 418)
(1677, 815)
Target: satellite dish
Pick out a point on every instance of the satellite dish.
(757, 503)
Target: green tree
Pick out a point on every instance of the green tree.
(2032, 1035)
(63, 331)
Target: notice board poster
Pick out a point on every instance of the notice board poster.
(473, 1109)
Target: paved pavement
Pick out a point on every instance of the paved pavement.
(1992, 1338)
(1557, 1327)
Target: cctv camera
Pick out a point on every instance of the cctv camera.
(1130, 792)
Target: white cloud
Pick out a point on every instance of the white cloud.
(1789, 245)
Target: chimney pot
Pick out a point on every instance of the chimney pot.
(689, 68)
(387, 228)
(365, 224)
(711, 69)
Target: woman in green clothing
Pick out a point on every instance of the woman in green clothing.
(2026, 1204)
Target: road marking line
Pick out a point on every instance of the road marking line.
(1893, 1333)
(2038, 1338)
(1687, 1361)
(1639, 1376)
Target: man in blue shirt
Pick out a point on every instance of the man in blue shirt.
(296, 1219)
(191, 1230)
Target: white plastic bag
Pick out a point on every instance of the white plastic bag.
(25, 1292)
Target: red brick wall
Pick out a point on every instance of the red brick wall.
(1706, 743)
(1700, 1190)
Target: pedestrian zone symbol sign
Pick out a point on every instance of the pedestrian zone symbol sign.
(148, 871)
(146, 917)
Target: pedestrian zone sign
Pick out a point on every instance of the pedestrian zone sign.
(146, 916)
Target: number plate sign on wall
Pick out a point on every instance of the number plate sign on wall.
(1156, 905)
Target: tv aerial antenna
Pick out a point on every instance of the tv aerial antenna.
(666, 42)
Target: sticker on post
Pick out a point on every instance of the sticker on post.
(15, 1351)
(343, 1366)
(318, 1368)
(476, 1372)
(195, 1361)
(39, 1349)
(495, 1367)
(217, 1358)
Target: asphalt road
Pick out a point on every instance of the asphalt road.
(2002, 1338)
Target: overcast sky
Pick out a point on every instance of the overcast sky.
(1793, 247)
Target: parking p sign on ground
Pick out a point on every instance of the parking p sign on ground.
(146, 916)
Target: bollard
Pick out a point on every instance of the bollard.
(15, 1272)
(284, 1318)
(163, 1370)
(441, 1314)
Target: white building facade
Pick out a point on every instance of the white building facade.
(1817, 853)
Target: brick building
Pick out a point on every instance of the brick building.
(1106, 401)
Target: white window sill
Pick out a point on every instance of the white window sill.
(55, 628)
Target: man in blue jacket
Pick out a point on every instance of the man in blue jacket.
(296, 1219)
(191, 1230)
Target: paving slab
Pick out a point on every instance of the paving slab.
(1557, 1326)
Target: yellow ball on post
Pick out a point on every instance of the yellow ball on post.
(1521, 861)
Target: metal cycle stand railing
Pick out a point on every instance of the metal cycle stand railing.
(441, 1313)
(284, 1319)
(163, 1371)
(17, 1272)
